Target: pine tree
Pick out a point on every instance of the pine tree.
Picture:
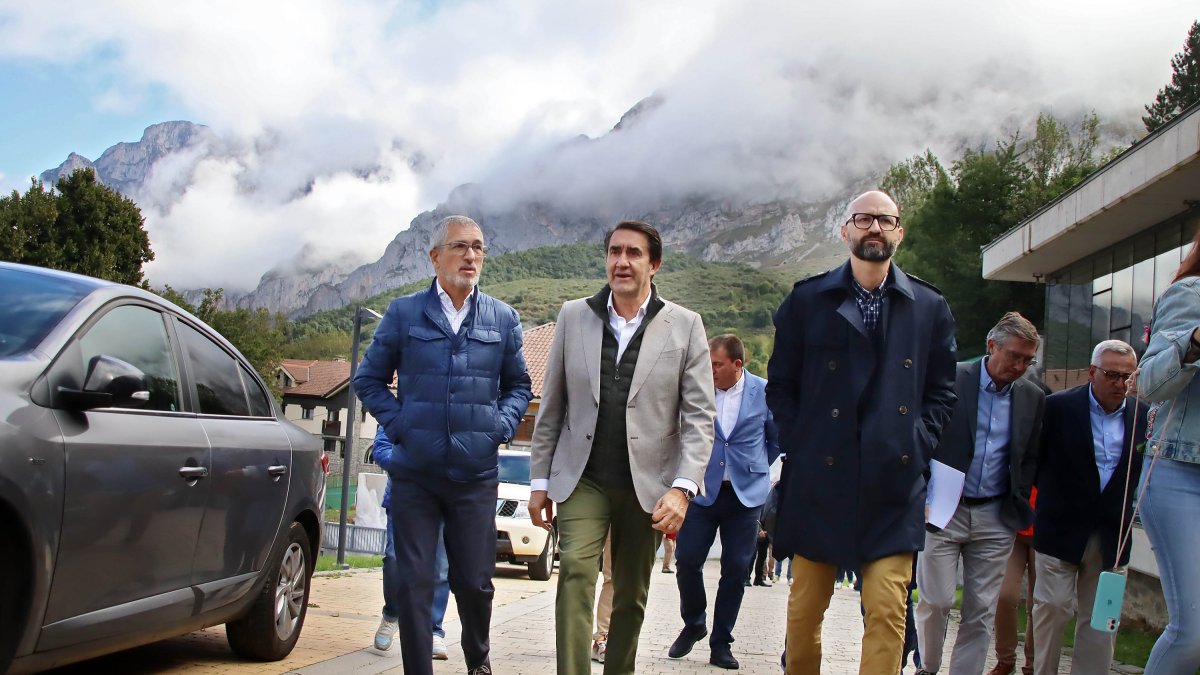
(1184, 88)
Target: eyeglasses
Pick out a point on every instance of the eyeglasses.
(863, 221)
(1114, 376)
(1020, 358)
(460, 248)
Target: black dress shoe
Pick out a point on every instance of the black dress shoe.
(723, 658)
(761, 582)
(688, 637)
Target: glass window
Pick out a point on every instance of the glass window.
(1102, 272)
(215, 373)
(137, 336)
(31, 305)
(1101, 311)
(1122, 298)
(260, 405)
(514, 469)
(1058, 303)
(306, 413)
(1079, 336)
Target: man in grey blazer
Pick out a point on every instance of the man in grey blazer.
(623, 437)
(992, 437)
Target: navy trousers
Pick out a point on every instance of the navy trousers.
(420, 506)
(739, 531)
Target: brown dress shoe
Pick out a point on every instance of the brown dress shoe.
(1003, 669)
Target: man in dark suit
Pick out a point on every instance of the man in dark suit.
(735, 488)
(1087, 478)
(992, 438)
(861, 382)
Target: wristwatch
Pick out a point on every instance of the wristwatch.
(686, 492)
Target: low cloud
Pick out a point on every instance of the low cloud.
(335, 125)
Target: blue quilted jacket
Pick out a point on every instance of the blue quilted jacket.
(458, 395)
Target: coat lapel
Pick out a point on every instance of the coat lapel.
(751, 391)
(970, 399)
(654, 339)
(591, 336)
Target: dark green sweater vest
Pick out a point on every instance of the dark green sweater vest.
(608, 463)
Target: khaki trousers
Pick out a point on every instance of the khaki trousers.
(1064, 590)
(884, 587)
(585, 520)
(1020, 565)
(604, 603)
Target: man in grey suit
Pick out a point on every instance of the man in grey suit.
(992, 437)
(623, 437)
(735, 489)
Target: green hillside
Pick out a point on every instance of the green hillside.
(731, 297)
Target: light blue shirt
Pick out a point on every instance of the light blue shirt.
(1108, 433)
(988, 474)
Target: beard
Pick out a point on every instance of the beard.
(462, 281)
(874, 250)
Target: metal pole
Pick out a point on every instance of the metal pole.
(348, 449)
(348, 446)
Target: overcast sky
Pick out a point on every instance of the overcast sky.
(337, 123)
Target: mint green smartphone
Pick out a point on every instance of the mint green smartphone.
(1110, 593)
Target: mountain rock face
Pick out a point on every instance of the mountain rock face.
(125, 166)
(759, 233)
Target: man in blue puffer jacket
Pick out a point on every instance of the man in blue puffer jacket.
(461, 389)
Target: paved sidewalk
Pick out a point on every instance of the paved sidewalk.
(523, 636)
(344, 613)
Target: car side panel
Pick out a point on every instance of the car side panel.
(130, 520)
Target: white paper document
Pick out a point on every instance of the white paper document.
(945, 489)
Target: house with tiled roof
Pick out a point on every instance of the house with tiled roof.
(537, 352)
(314, 397)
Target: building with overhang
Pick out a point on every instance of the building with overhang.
(1105, 250)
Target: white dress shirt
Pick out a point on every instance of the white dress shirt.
(455, 316)
(622, 329)
(729, 404)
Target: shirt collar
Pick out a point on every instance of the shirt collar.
(612, 309)
(445, 299)
(986, 383)
(1098, 409)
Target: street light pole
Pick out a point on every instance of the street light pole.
(348, 451)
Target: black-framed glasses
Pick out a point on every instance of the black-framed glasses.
(460, 248)
(1115, 376)
(863, 221)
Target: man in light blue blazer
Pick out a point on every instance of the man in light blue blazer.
(736, 483)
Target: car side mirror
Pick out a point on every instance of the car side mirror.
(110, 382)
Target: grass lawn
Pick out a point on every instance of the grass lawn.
(328, 563)
(1133, 645)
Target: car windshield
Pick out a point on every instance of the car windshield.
(514, 469)
(30, 306)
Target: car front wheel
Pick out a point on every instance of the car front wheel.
(271, 627)
(543, 567)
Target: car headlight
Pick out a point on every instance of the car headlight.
(522, 509)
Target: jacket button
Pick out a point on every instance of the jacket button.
(904, 459)
(589, 437)
(727, 445)
(833, 365)
(903, 410)
(908, 363)
(835, 412)
(829, 461)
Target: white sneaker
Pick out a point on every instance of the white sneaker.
(599, 647)
(439, 648)
(383, 636)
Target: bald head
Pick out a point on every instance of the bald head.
(874, 202)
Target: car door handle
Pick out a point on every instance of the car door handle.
(194, 472)
(277, 470)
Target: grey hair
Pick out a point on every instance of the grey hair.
(1011, 325)
(441, 231)
(1115, 346)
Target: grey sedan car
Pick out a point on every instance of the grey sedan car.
(149, 485)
